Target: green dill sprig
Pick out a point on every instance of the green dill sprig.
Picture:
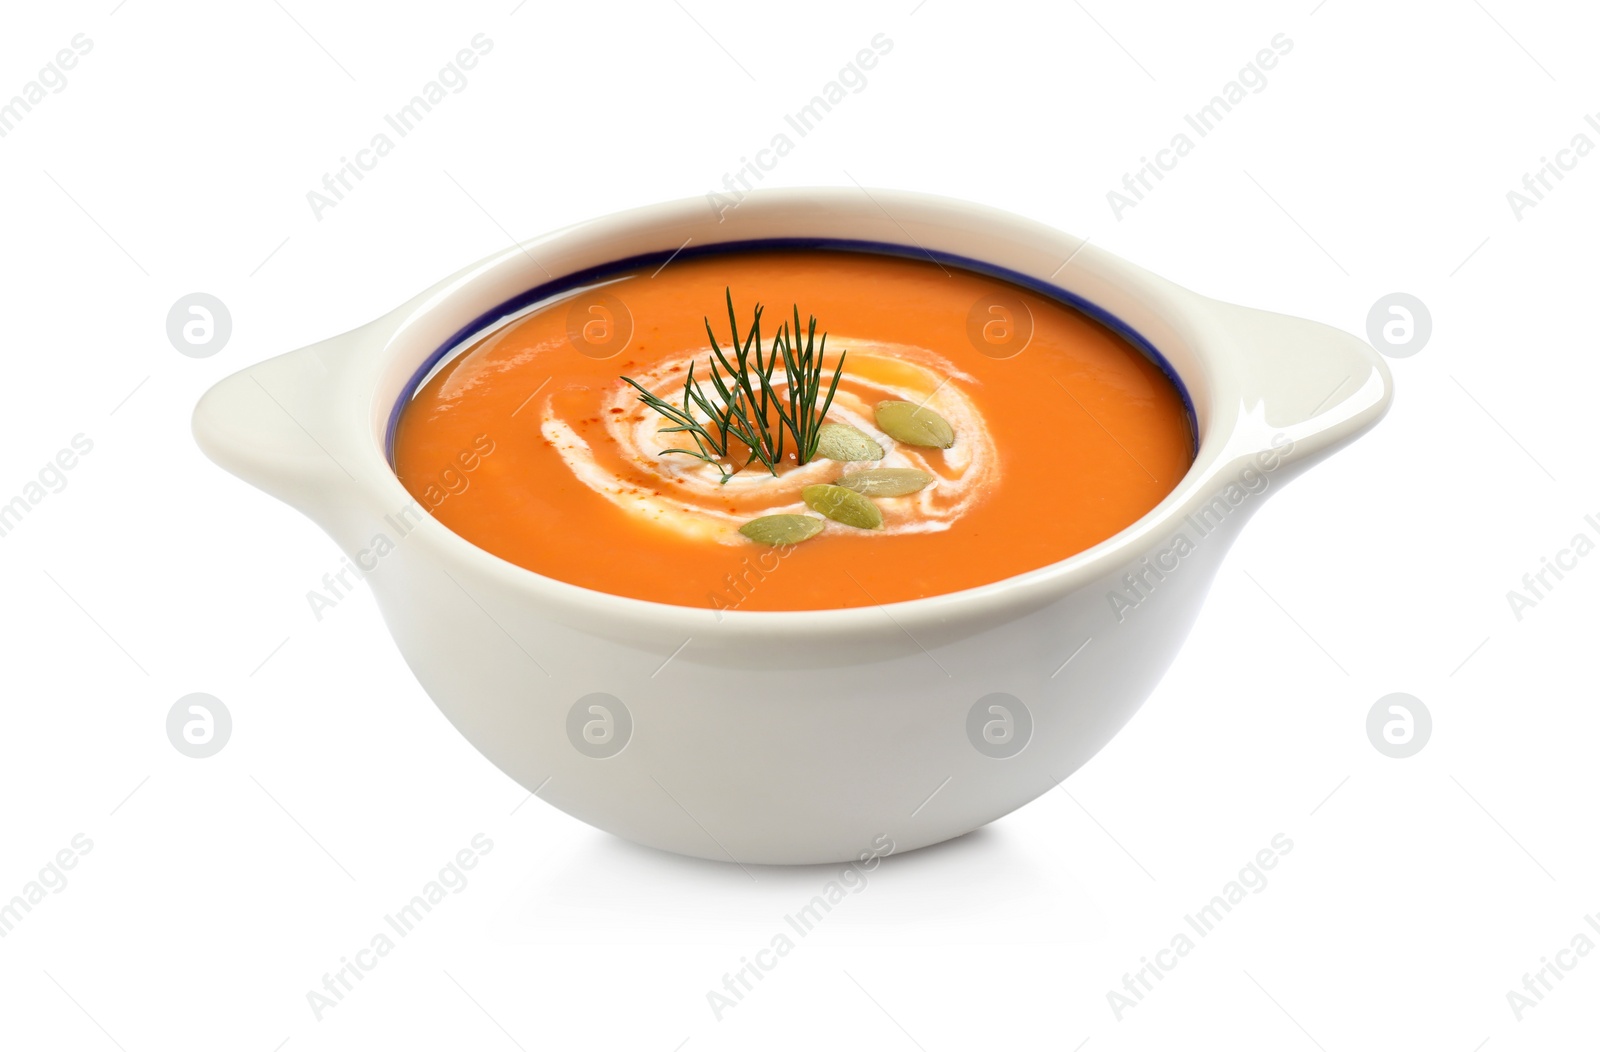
(803, 367)
(746, 399)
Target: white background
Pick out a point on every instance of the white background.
(218, 892)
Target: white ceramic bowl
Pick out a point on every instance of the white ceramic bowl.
(808, 736)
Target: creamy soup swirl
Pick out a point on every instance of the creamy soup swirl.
(686, 495)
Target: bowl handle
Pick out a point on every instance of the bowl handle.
(291, 426)
(1305, 388)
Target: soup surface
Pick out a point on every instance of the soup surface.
(1057, 433)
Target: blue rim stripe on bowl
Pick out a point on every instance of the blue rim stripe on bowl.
(471, 332)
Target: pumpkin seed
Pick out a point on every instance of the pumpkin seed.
(886, 482)
(843, 505)
(914, 425)
(843, 442)
(778, 530)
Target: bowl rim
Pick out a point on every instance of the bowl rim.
(547, 293)
(1194, 345)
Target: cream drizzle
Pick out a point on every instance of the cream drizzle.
(697, 508)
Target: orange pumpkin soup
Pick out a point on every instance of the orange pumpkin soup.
(976, 431)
